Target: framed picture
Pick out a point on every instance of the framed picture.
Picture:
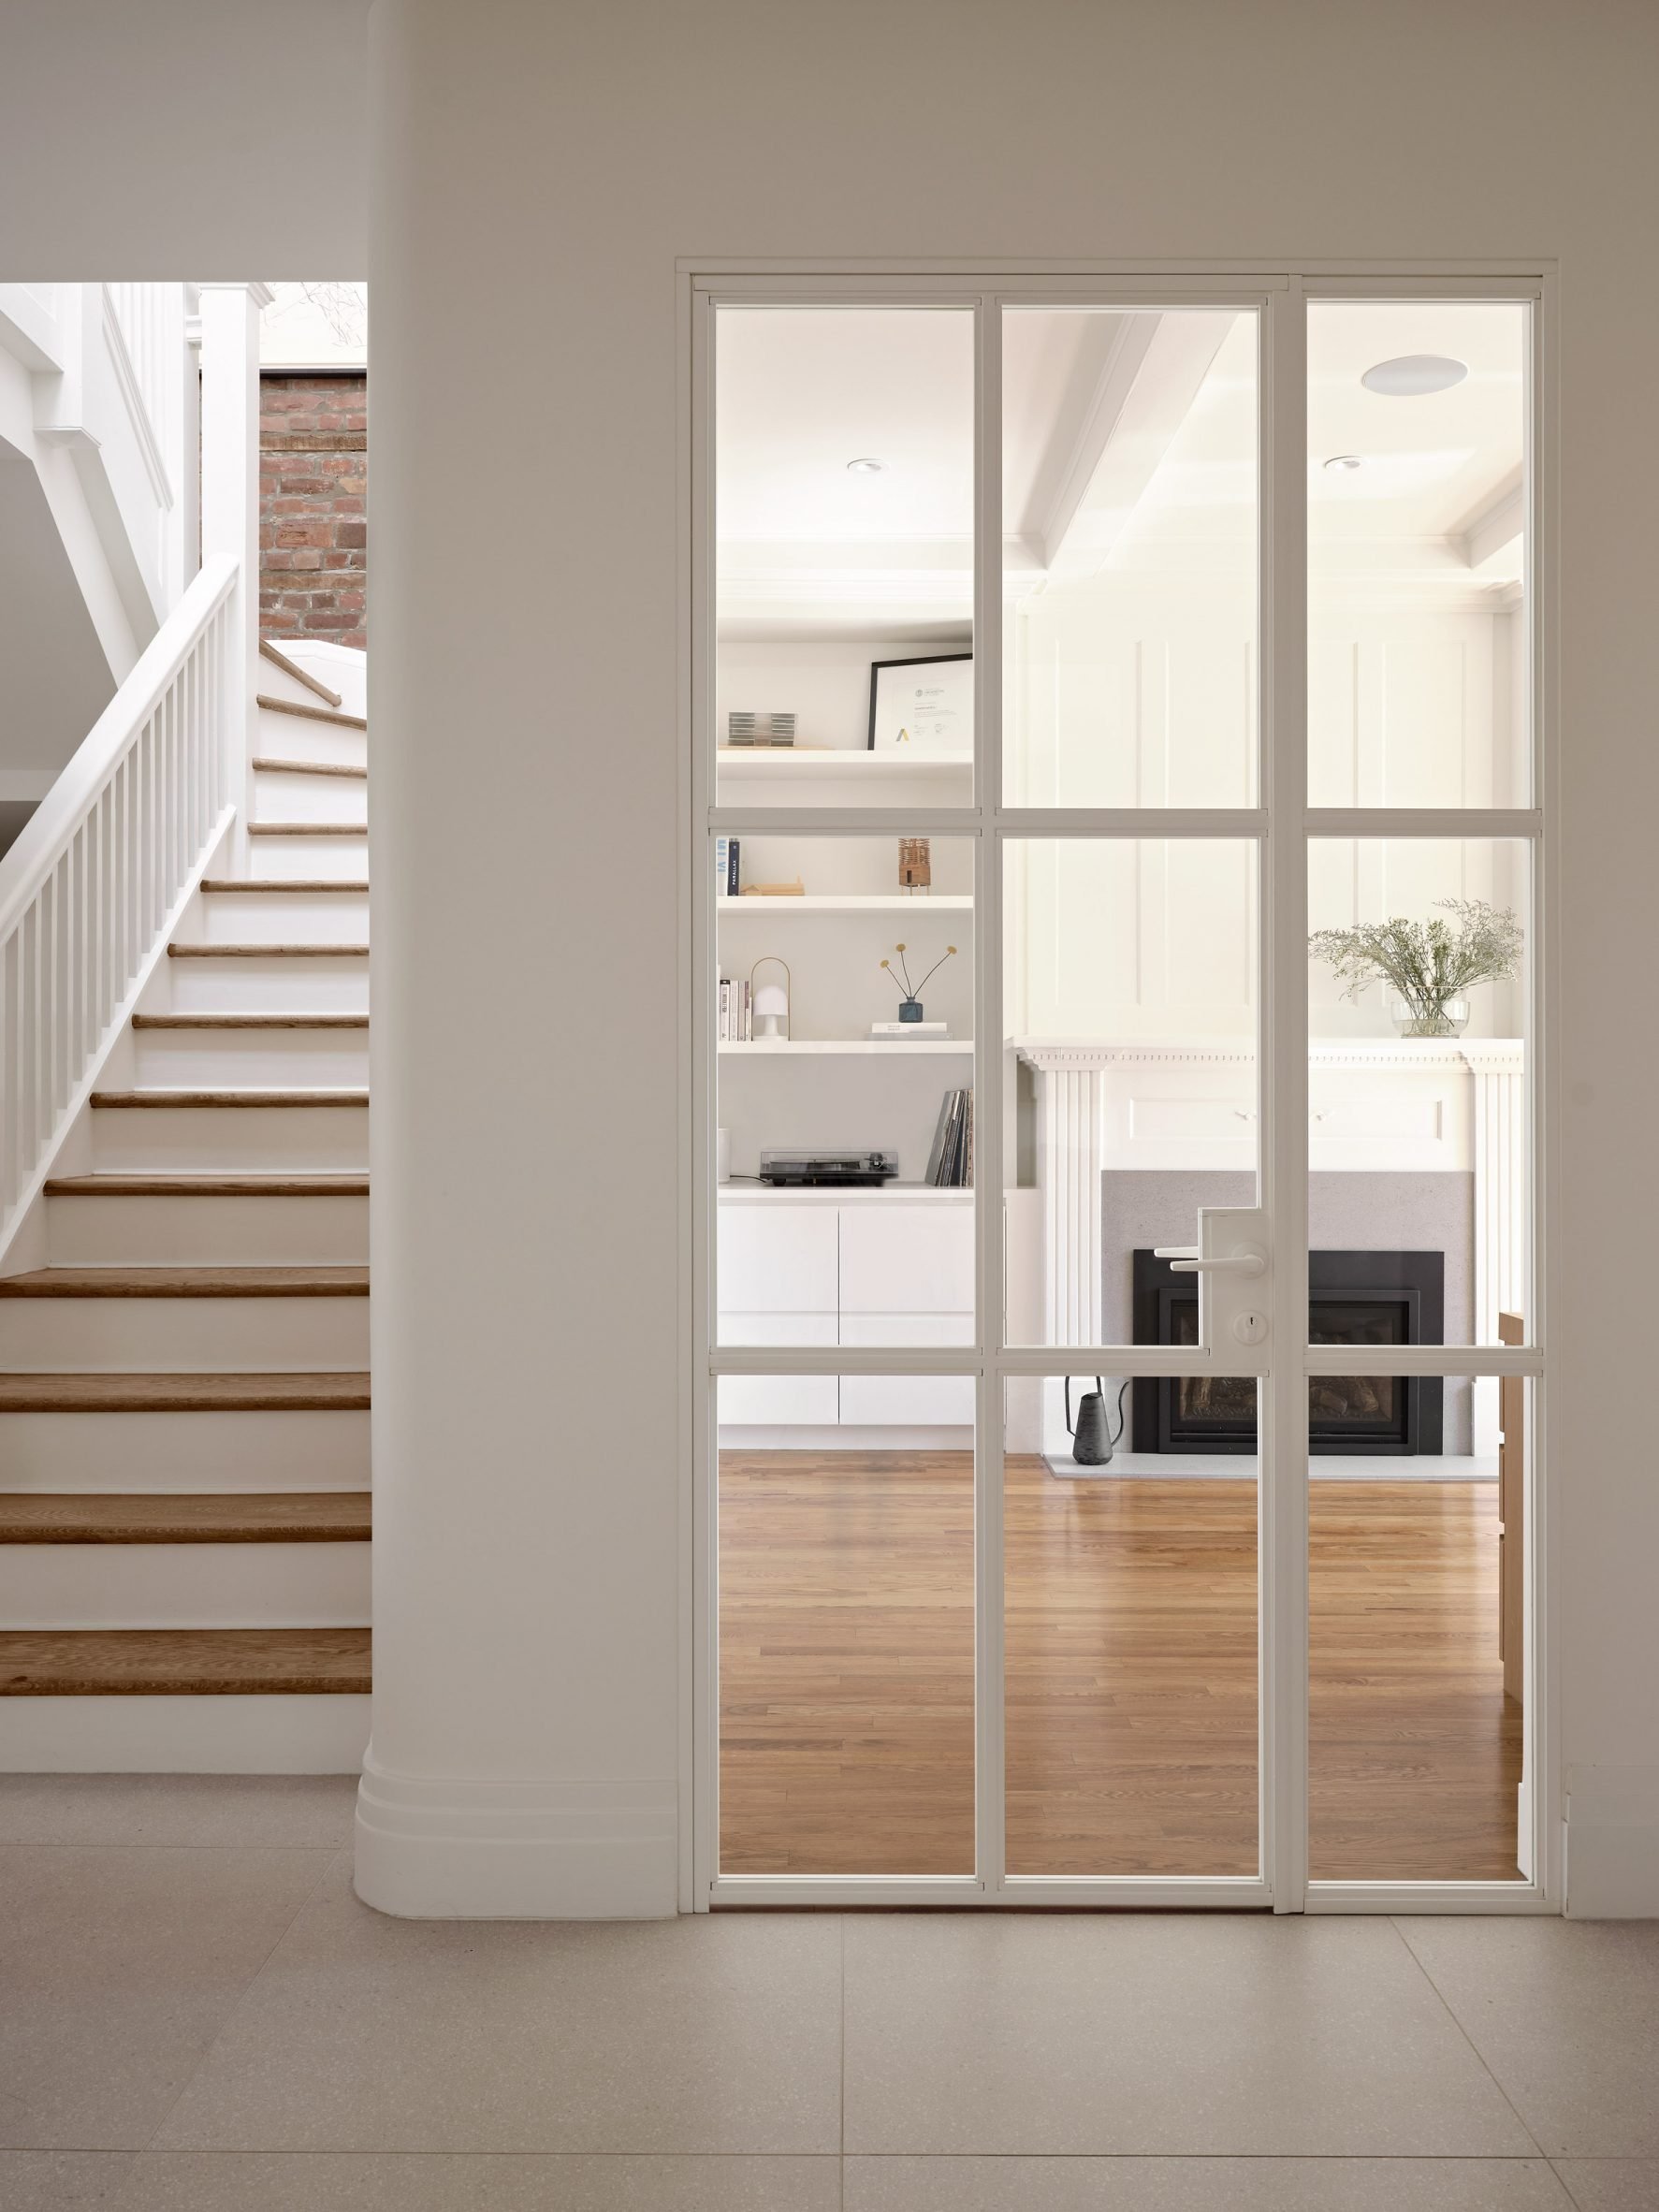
(922, 707)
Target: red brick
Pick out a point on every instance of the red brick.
(314, 532)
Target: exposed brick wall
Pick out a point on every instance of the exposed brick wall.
(314, 530)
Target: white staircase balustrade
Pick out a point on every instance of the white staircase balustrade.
(91, 888)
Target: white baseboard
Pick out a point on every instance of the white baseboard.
(182, 1735)
(1612, 1843)
(454, 1848)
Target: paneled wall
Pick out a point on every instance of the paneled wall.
(1144, 695)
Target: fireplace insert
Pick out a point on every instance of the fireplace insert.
(1357, 1298)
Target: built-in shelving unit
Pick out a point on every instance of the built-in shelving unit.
(838, 902)
(898, 1048)
(813, 765)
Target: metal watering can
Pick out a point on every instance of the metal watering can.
(1092, 1441)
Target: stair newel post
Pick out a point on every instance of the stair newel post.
(230, 521)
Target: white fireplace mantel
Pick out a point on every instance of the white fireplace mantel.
(1375, 1104)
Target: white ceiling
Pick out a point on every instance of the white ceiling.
(1123, 434)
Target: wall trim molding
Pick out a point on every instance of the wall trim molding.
(1486, 1055)
(455, 1847)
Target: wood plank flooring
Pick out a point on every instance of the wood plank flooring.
(847, 1673)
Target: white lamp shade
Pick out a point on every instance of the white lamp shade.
(771, 1002)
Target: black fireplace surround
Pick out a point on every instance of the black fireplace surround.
(1357, 1298)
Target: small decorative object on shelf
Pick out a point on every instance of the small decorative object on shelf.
(1429, 966)
(770, 1001)
(915, 863)
(910, 1004)
(746, 728)
(795, 890)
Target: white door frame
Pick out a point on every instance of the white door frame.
(1281, 823)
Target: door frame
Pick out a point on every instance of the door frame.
(1281, 823)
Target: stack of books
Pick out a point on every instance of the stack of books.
(912, 1029)
(736, 1012)
(950, 1164)
(744, 728)
(728, 876)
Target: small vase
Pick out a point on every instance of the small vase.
(909, 1010)
(1448, 1019)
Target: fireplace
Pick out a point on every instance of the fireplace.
(1354, 1298)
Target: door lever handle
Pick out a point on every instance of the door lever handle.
(1174, 1252)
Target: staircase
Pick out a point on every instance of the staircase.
(183, 1385)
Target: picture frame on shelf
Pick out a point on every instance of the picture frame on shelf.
(922, 707)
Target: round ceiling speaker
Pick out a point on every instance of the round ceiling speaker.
(1411, 375)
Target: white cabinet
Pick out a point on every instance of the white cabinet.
(879, 1273)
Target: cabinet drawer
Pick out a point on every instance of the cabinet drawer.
(776, 1259)
(769, 1329)
(777, 1400)
(901, 1329)
(903, 1401)
(906, 1259)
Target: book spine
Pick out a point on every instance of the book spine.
(733, 879)
(723, 867)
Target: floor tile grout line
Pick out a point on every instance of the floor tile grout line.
(1565, 2187)
(1440, 1999)
(331, 1860)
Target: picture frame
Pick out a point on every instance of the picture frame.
(922, 707)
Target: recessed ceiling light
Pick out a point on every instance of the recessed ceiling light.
(864, 468)
(1411, 375)
(1344, 460)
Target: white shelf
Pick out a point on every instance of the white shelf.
(811, 764)
(849, 902)
(898, 1048)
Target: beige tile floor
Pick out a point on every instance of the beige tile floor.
(196, 2016)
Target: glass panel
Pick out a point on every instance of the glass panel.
(1417, 653)
(1129, 1015)
(1417, 1194)
(1130, 1588)
(1416, 1634)
(844, 1020)
(844, 558)
(1130, 519)
(846, 1624)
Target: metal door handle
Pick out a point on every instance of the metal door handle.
(1174, 1252)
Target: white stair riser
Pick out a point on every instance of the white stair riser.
(288, 857)
(218, 1232)
(302, 737)
(183, 1336)
(278, 918)
(165, 1452)
(344, 668)
(229, 1139)
(252, 1059)
(182, 1735)
(308, 798)
(184, 1585)
(306, 985)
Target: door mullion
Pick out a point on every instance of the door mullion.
(1284, 1107)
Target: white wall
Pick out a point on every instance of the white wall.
(552, 163)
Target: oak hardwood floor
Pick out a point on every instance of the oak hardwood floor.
(847, 1673)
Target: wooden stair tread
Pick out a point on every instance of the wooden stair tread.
(315, 714)
(308, 829)
(300, 952)
(183, 1661)
(187, 1282)
(228, 886)
(274, 1185)
(252, 1021)
(169, 1099)
(311, 768)
(300, 675)
(274, 1517)
(328, 1392)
